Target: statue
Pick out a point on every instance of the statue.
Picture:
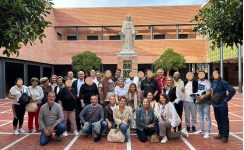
(128, 35)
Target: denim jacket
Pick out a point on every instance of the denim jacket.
(221, 86)
(141, 118)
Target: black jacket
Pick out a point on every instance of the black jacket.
(194, 85)
(86, 91)
(171, 94)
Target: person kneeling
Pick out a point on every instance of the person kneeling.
(169, 119)
(51, 120)
(144, 121)
(92, 117)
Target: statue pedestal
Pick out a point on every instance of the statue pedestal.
(127, 62)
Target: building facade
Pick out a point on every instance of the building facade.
(75, 30)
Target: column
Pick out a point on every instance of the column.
(53, 70)
(41, 71)
(151, 31)
(177, 32)
(240, 79)
(2, 79)
(102, 34)
(77, 33)
(209, 73)
(221, 60)
(26, 74)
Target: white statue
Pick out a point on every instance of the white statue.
(128, 35)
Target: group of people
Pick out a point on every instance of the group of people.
(150, 106)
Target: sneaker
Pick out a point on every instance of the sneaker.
(193, 129)
(198, 132)
(16, 132)
(184, 132)
(57, 138)
(164, 140)
(76, 133)
(188, 129)
(96, 139)
(21, 131)
(65, 133)
(206, 135)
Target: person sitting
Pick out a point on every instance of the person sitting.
(51, 119)
(144, 121)
(121, 115)
(168, 119)
(108, 111)
(92, 116)
(151, 100)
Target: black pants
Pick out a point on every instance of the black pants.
(142, 135)
(77, 113)
(19, 112)
(179, 110)
(221, 116)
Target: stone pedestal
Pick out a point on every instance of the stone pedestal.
(127, 64)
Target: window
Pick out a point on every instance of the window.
(127, 67)
(139, 37)
(70, 38)
(159, 36)
(114, 37)
(183, 36)
(59, 36)
(92, 37)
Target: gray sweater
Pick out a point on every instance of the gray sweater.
(86, 113)
(50, 118)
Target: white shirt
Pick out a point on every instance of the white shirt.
(188, 91)
(121, 91)
(15, 91)
(135, 80)
(96, 81)
(79, 84)
(203, 85)
(180, 86)
(36, 92)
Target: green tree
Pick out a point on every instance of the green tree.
(170, 60)
(22, 22)
(86, 61)
(222, 20)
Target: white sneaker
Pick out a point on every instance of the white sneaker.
(21, 131)
(16, 132)
(198, 132)
(164, 140)
(206, 135)
(184, 132)
(65, 133)
(76, 133)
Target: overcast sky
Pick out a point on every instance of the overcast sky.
(120, 3)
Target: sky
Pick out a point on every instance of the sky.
(122, 3)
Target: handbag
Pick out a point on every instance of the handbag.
(116, 136)
(217, 97)
(31, 107)
(24, 99)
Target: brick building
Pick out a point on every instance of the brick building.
(97, 29)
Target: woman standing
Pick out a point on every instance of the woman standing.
(121, 89)
(37, 95)
(59, 86)
(18, 110)
(133, 102)
(107, 88)
(168, 119)
(46, 88)
(121, 115)
(144, 121)
(53, 81)
(67, 98)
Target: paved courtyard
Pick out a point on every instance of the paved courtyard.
(31, 141)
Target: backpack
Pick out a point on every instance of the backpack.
(24, 99)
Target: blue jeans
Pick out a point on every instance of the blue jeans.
(221, 116)
(60, 129)
(123, 128)
(88, 129)
(203, 111)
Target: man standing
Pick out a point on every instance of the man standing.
(117, 75)
(51, 120)
(149, 84)
(92, 117)
(220, 101)
(70, 76)
(161, 79)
